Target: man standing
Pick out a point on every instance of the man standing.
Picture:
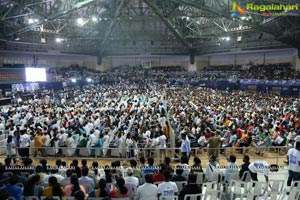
(293, 157)
(214, 144)
(39, 144)
(24, 144)
(244, 167)
(185, 146)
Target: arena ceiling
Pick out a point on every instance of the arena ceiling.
(130, 27)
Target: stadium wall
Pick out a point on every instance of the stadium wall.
(49, 59)
(254, 57)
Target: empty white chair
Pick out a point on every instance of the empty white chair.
(294, 194)
(238, 189)
(276, 186)
(295, 185)
(272, 195)
(259, 188)
(213, 195)
(193, 197)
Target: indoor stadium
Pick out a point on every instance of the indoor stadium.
(149, 99)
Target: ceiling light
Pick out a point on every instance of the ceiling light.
(73, 80)
(30, 21)
(94, 19)
(80, 21)
(58, 40)
(16, 38)
(187, 18)
(100, 19)
(35, 20)
(105, 18)
(227, 38)
(89, 80)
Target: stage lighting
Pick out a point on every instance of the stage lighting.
(73, 80)
(89, 80)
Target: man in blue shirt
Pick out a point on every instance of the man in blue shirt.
(185, 146)
(13, 189)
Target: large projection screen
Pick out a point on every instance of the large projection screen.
(35, 74)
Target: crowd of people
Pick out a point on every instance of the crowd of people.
(143, 180)
(129, 118)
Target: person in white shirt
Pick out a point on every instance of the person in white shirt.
(129, 179)
(162, 139)
(261, 167)
(167, 188)
(129, 146)
(212, 169)
(148, 190)
(293, 157)
(24, 144)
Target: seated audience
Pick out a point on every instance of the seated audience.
(190, 188)
(53, 188)
(119, 190)
(148, 190)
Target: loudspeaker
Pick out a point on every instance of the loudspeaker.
(99, 60)
(192, 59)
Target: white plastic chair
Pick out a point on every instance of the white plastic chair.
(276, 186)
(259, 188)
(213, 195)
(294, 194)
(200, 178)
(246, 176)
(237, 189)
(193, 197)
(168, 197)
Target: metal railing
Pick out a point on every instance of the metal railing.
(108, 153)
